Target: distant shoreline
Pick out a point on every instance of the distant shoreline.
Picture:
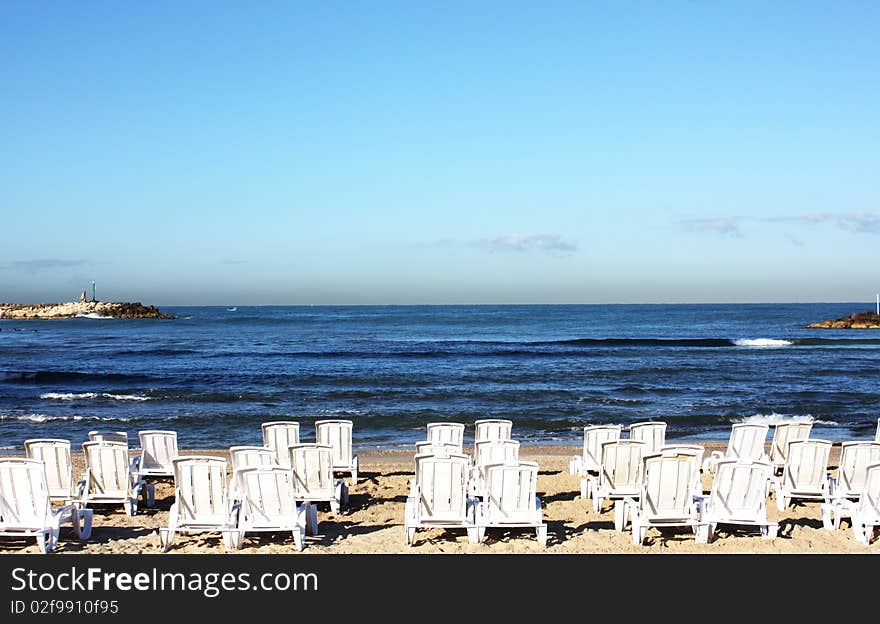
(80, 309)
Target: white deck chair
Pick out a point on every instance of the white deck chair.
(26, 509)
(201, 500)
(739, 496)
(783, 433)
(590, 459)
(619, 476)
(108, 436)
(805, 474)
(337, 433)
(488, 452)
(746, 441)
(509, 499)
(109, 477)
(278, 436)
(855, 457)
(248, 457)
(667, 496)
(313, 480)
(492, 429)
(55, 454)
(446, 432)
(652, 433)
(158, 450)
(440, 497)
(877, 435)
(268, 504)
(864, 512)
(698, 451)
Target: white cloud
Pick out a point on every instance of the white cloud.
(552, 243)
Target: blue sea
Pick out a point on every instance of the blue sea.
(215, 373)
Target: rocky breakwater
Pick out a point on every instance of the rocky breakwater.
(93, 309)
(860, 320)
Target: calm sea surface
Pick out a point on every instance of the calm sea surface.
(214, 374)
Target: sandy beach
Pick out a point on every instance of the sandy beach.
(373, 522)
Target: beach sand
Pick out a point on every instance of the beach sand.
(373, 522)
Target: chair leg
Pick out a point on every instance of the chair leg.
(298, 539)
(166, 536)
(828, 517)
(131, 506)
(620, 508)
(410, 535)
(82, 523)
(542, 535)
(312, 518)
(473, 534)
(768, 531)
(597, 503)
(41, 542)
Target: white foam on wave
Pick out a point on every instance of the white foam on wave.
(763, 343)
(92, 315)
(73, 396)
(775, 418)
(40, 418)
(68, 396)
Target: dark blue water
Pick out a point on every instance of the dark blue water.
(214, 375)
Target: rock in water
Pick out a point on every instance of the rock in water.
(110, 309)
(859, 320)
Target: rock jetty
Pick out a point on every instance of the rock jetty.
(112, 309)
(860, 320)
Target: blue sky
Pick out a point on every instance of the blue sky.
(341, 152)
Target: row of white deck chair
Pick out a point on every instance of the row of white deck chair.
(440, 496)
(747, 440)
(491, 488)
(158, 448)
(263, 494)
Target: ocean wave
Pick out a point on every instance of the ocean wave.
(92, 315)
(775, 418)
(763, 343)
(40, 418)
(48, 377)
(72, 396)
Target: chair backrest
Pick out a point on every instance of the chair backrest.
(695, 449)
(786, 432)
(443, 484)
(250, 456)
(621, 465)
(495, 452)
(200, 489)
(492, 429)
(267, 496)
(739, 489)
(108, 436)
(446, 432)
(55, 454)
(24, 493)
(594, 437)
(158, 449)
(428, 447)
(869, 500)
(668, 485)
(312, 466)
(855, 457)
(336, 434)
(109, 468)
(806, 466)
(653, 434)
(279, 436)
(747, 441)
(509, 490)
